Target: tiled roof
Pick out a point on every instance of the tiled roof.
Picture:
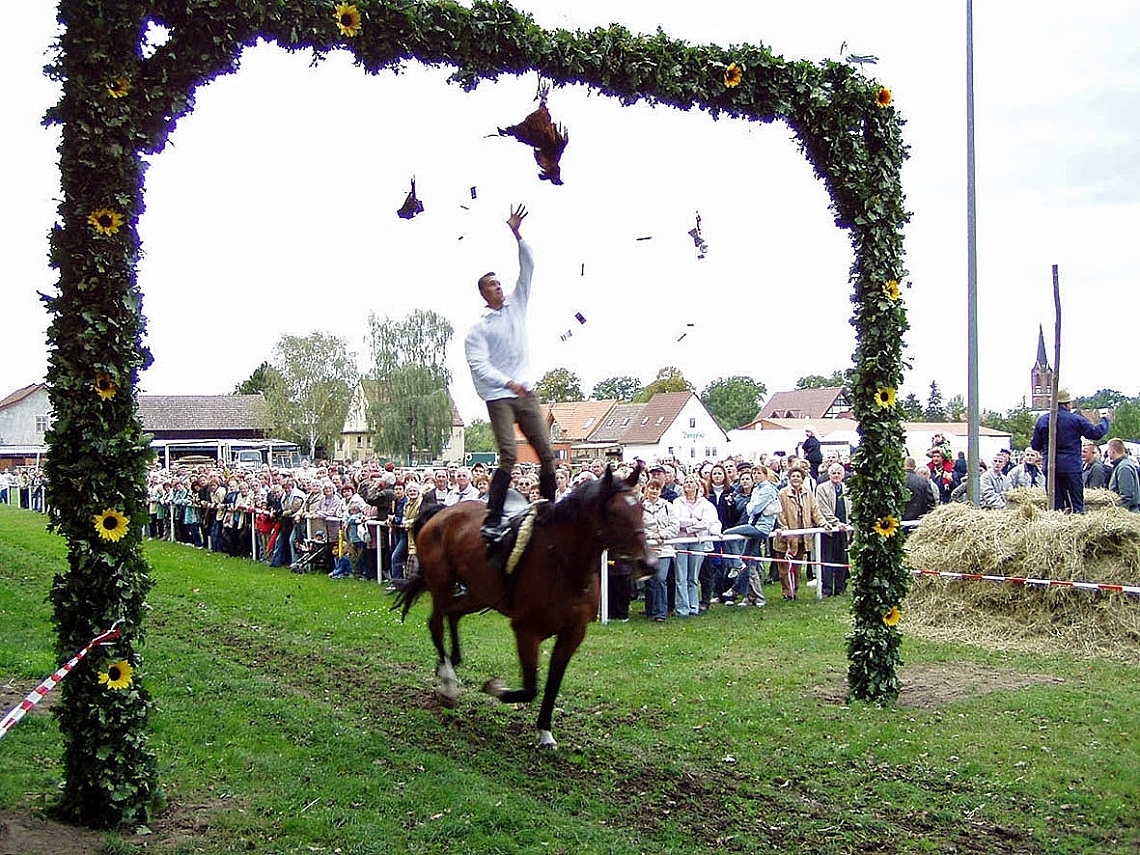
(617, 422)
(656, 417)
(217, 413)
(20, 394)
(579, 419)
(802, 404)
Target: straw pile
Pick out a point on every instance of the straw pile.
(1024, 540)
(1094, 499)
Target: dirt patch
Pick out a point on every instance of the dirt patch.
(933, 686)
(27, 832)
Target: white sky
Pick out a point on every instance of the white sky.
(272, 211)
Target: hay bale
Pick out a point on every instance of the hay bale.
(1027, 541)
(1036, 496)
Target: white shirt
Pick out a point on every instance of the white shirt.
(496, 346)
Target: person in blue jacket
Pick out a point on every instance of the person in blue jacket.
(1068, 483)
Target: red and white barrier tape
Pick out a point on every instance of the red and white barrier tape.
(37, 694)
(1132, 590)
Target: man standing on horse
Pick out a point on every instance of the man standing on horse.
(499, 359)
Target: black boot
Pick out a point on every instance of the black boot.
(496, 498)
(546, 484)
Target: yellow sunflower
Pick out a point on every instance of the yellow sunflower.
(118, 87)
(891, 289)
(348, 19)
(105, 221)
(892, 617)
(105, 386)
(885, 397)
(883, 98)
(733, 74)
(117, 675)
(886, 526)
(111, 525)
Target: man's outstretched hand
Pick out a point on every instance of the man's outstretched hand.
(518, 214)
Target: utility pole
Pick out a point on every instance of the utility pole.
(973, 405)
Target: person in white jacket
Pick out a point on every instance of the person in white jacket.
(696, 518)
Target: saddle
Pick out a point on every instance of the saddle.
(506, 548)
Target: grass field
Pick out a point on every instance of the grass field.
(294, 714)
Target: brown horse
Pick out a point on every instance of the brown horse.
(552, 591)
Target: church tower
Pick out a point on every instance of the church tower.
(1041, 377)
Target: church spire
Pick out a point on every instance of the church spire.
(1042, 359)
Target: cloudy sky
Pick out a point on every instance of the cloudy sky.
(272, 211)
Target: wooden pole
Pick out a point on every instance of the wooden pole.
(1050, 464)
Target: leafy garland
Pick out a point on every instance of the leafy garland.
(121, 101)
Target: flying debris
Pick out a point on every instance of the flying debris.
(412, 205)
(647, 237)
(686, 332)
(578, 316)
(474, 193)
(861, 59)
(698, 241)
(547, 139)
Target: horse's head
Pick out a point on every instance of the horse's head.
(621, 518)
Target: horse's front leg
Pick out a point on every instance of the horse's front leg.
(564, 648)
(527, 644)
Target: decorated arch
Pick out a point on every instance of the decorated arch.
(123, 91)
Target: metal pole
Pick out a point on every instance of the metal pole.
(973, 406)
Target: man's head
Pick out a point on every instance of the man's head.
(1064, 398)
(1116, 448)
(835, 473)
(491, 290)
(1088, 452)
(462, 477)
(909, 464)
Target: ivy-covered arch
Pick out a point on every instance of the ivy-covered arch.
(122, 96)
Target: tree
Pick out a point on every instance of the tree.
(1103, 399)
(258, 382)
(312, 381)
(733, 401)
(913, 407)
(956, 408)
(622, 389)
(934, 412)
(669, 379)
(818, 381)
(409, 409)
(1125, 422)
(478, 436)
(558, 385)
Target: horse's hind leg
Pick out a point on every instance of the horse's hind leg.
(527, 644)
(448, 687)
(453, 625)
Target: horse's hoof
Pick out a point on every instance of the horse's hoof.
(448, 696)
(546, 741)
(495, 687)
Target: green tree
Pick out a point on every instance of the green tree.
(956, 408)
(669, 379)
(912, 406)
(1103, 399)
(559, 385)
(1125, 421)
(622, 389)
(409, 410)
(1017, 422)
(258, 382)
(733, 401)
(311, 385)
(818, 381)
(478, 436)
(935, 411)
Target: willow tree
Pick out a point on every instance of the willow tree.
(121, 98)
(408, 406)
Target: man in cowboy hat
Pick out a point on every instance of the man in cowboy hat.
(1068, 483)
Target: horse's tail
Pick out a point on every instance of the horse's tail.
(409, 592)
